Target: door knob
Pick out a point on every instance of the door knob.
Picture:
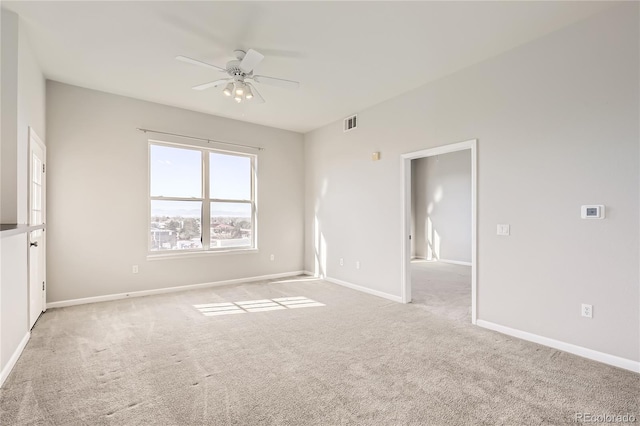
(33, 244)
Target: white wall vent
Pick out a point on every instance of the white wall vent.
(350, 123)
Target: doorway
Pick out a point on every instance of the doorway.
(37, 203)
(435, 257)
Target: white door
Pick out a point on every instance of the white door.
(37, 191)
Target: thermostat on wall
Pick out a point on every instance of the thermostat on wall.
(592, 212)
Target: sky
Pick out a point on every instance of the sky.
(177, 172)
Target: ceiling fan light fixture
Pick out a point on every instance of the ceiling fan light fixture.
(239, 89)
(228, 90)
(248, 94)
(238, 98)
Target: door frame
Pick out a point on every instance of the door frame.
(405, 167)
(35, 139)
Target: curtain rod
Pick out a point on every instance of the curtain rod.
(199, 139)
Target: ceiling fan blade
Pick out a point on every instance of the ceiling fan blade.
(250, 60)
(287, 84)
(211, 84)
(199, 63)
(257, 98)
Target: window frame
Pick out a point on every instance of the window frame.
(206, 201)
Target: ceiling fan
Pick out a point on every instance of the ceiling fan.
(238, 84)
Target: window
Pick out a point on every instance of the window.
(200, 199)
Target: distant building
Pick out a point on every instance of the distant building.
(163, 239)
(222, 228)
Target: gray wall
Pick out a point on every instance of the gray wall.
(98, 196)
(9, 121)
(442, 185)
(31, 113)
(23, 105)
(557, 127)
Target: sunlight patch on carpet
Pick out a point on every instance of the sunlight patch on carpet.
(262, 305)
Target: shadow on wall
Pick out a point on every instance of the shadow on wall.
(319, 241)
(319, 250)
(433, 237)
(433, 241)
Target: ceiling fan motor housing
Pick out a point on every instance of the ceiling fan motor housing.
(233, 69)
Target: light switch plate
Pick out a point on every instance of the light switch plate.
(503, 230)
(595, 211)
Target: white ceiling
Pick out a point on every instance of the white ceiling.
(347, 55)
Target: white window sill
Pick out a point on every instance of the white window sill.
(196, 254)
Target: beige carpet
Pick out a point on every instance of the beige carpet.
(357, 360)
(441, 288)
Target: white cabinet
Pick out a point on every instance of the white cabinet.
(14, 321)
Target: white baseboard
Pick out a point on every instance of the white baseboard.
(14, 358)
(141, 293)
(455, 262)
(364, 289)
(616, 361)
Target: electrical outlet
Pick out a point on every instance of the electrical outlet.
(273, 257)
(357, 264)
(503, 230)
(341, 262)
(134, 269)
(587, 311)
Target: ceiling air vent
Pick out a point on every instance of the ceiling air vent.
(350, 123)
